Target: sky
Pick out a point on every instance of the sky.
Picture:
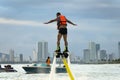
(21, 24)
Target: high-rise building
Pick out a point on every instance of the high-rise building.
(42, 51)
(93, 56)
(21, 57)
(16, 58)
(86, 54)
(97, 47)
(119, 49)
(97, 50)
(4, 57)
(34, 55)
(11, 53)
(72, 57)
(111, 56)
(103, 55)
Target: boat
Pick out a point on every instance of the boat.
(7, 68)
(42, 68)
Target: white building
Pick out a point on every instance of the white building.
(34, 55)
(86, 55)
(4, 57)
(93, 55)
(11, 53)
(16, 58)
(72, 57)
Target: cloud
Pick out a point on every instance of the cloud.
(89, 9)
(20, 22)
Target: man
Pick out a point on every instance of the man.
(48, 61)
(62, 27)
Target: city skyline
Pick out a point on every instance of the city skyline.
(21, 24)
(94, 53)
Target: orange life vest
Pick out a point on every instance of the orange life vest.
(48, 61)
(62, 20)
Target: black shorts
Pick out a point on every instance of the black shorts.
(63, 31)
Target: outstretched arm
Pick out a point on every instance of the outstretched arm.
(71, 22)
(53, 20)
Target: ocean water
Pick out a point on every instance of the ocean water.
(80, 71)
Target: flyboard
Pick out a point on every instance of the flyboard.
(66, 60)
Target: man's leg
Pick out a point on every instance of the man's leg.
(58, 42)
(66, 43)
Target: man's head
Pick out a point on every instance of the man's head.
(58, 13)
(48, 57)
